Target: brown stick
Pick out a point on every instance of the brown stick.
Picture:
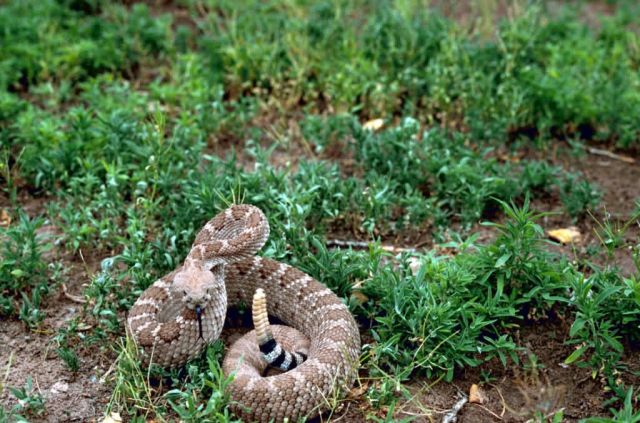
(74, 298)
(364, 245)
(609, 154)
(452, 415)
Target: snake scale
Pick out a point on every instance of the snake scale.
(178, 315)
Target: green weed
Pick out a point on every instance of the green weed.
(24, 276)
(70, 358)
(203, 396)
(30, 401)
(626, 414)
(441, 317)
(578, 195)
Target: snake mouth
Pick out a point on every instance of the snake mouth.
(199, 317)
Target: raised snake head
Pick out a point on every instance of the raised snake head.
(197, 286)
(200, 288)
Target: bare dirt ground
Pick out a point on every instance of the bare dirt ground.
(69, 397)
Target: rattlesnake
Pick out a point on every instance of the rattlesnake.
(222, 270)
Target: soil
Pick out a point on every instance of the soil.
(69, 396)
(513, 394)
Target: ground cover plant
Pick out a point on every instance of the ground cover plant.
(411, 158)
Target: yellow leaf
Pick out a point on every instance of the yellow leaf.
(357, 392)
(373, 124)
(359, 296)
(5, 218)
(476, 396)
(565, 235)
(112, 418)
(415, 264)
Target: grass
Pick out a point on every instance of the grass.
(138, 128)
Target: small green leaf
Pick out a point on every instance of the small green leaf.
(502, 260)
(613, 343)
(577, 326)
(558, 417)
(575, 355)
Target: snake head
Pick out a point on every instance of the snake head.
(198, 286)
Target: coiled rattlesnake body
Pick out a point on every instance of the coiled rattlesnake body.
(178, 315)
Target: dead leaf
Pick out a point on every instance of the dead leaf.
(83, 327)
(359, 296)
(357, 392)
(415, 264)
(5, 218)
(373, 124)
(565, 235)
(508, 158)
(112, 418)
(476, 395)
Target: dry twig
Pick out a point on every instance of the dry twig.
(74, 298)
(609, 154)
(364, 245)
(504, 403)
(452, 415)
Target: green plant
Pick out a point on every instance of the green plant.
(578, 195)
(29, 401)
(467, 302)
(203, 397)
(23, 271)
(611, 233)
(132, 393)
(627, 413)
(602, 304)
(539, 176)
(69, 357)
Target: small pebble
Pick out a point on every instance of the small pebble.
(59, 387)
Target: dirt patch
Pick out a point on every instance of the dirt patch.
(616, 179)
(25, 354)
(512, 394)
(68, 397)
(485, 15)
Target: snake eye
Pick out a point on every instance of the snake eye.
(184, 291)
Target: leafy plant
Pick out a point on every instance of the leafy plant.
(578, 195)
(23, 271)
(29, 401)
(204, 396)
(70, 358)
(626, 414)
(467, 301)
